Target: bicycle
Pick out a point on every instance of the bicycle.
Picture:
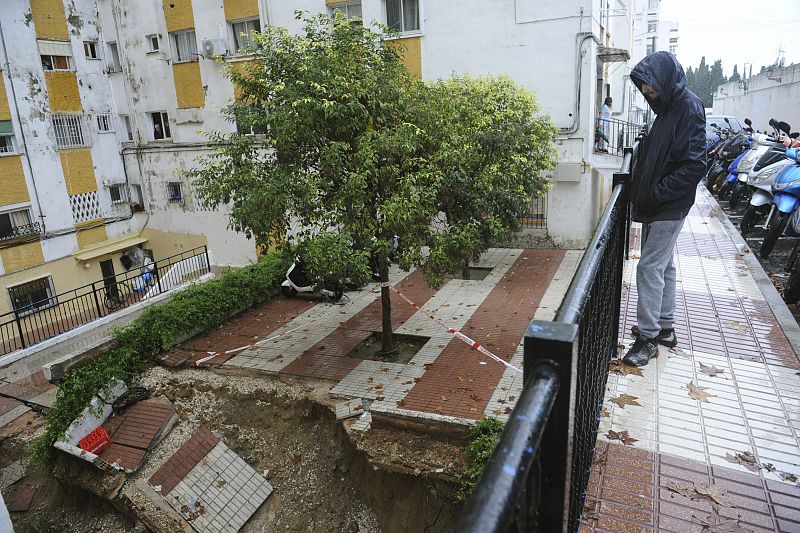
(117, 295)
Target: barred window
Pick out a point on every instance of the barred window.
(174, 191)
(32, 296)
(105, 124)
(119, 194)
(15, 224)
(185, 46)
(70, 130)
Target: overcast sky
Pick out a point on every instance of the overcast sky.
(735, 31)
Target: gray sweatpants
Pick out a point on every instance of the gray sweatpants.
(655, 276)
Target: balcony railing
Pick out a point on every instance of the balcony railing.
(536, 479)
(21, 231)
(39, 320)
(612, 136)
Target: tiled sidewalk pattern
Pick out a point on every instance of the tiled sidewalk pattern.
(211, 486)
(749, 370)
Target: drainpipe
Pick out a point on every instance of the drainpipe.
(21, 129)
(266, 18)
(580, 38)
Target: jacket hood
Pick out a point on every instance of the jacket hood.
(664, 74)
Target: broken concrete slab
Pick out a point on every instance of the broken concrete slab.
(349, 409)
(11, 474)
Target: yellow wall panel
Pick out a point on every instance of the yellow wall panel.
(5, 110)
(22, 256)
(165, 243)
(87, 237)
(239, 67)
(178, 14)
(13, 190)
(412, 54)
(78, 170)
(241, 9)
(62, 89)
(49, 20)
(188, 85)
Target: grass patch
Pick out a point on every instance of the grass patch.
(481, 441)
(202, 306)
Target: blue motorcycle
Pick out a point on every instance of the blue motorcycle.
(732, 179)
(786, 199)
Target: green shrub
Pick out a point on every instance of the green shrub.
(481, 441)
(200, 307)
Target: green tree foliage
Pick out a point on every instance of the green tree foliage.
(735, 76)
(354, 146)
(704, 80)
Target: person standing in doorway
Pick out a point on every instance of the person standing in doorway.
(605, 124)
(671, 162)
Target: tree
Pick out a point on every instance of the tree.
(355, 151)
(735, 76)
(704, 80)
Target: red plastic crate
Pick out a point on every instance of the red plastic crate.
(96, 441)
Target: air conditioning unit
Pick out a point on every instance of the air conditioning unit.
(215, 47)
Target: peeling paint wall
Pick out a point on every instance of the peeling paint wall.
(48, 17)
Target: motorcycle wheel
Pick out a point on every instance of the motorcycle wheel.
(717, 182)
(751, 215)
(725, 190)
(288, 291)
(735, 196)
(791, 291)
(774, 233)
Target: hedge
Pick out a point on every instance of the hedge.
(199, 307)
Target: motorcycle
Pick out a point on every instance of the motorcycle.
(790, 176)
(786, 198)
(731, 180)
(298, 281)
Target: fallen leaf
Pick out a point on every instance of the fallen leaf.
(679, 352)
(508, 411)
(625, 399)
(713, 492)
(711, 371)
(684, 489)
(295, 458)
(379, 398)
(698, 393)
(746, 459)
(621, 436)
(786, 476)
(735, 324)
(497, 412)
(605, 413)
(444, 398)
(618, 367)
(590, 509)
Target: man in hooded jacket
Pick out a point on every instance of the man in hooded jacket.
(670, 164)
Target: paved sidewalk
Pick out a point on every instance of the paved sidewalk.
(723, 454)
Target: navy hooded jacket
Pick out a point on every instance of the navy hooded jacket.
(672, 157)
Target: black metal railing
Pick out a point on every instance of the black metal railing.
(612, 136)
(536, 479)
(536, 215)
(21, 231)
(39, 314)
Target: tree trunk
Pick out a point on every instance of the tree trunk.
(387, 345)
(465, 269)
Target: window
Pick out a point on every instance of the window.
(32, 296)
(119, 194)
(15, 224)
(160, 125)
(6, 137)
(152, 43)
(56, 62)
(70, 130)
(351, 10)
(90, 50)
(652, 5)
(402, 15)
(652, 26)
(126, 120)
(651, 45)
(114, 64)
(104, 123)
(184, 46)
(243, 33)
(138, 197)
(673, 49)
(174, 191)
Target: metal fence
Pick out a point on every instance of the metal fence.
(612, 136)
(39, 314)
(536, 217)
(537, 477)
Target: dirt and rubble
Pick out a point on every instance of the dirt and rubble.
(325, 477)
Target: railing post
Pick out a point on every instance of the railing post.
(557, 341)
(158, 276)
(96, 301)
(19, 328)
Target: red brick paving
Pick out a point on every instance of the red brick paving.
(125, 456)
(182, 461)
(456, 384)
(247, 327)
(133, 432)
(628, 491)
(8, 404)
(28, 387)
(328, 358)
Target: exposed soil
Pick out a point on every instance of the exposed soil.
(406, 347)
(475, 273)
(777, 260)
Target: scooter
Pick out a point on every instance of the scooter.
(732, 180)
(786, 198)
(791, 177)
(297, 281)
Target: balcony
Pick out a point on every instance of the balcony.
(612, 136)
(18, 232)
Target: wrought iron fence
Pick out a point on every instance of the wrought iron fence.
(612, 136)
(536, 217)
(24, 230)
(39, 314)
(550, 437)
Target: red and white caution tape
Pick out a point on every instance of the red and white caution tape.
(472, 344)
